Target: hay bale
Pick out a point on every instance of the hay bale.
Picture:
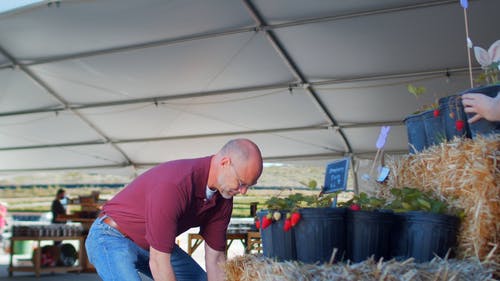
(259, 268)
(466, 173)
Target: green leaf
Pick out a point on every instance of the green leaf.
(396, 204)
(425, 205)
(312, 184)
(396, 192)
(407, 206)
(363, 196)
(416, 91)
(437, 207)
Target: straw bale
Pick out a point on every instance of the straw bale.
(259, 268)
(466, 173)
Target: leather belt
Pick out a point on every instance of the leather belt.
(109, 221)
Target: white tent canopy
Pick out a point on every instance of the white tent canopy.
(120, 85)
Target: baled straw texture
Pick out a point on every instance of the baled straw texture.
(259, 268)
(466, 173)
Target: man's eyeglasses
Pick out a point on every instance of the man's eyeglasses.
(241, 184)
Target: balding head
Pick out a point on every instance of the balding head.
(245, 155)
(240, 163)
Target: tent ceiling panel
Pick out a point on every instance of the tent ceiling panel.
(158, 80)
(269, 109)
(361, 101)
(42, 129)
(3, 60)
(239, 60)
(62, 158)
(19, 92)
(280, 11)
(161, 151)
(364, 140)
(325, 141)
(382, 44)
(82, 26)
(150, 121)
(272, 145)
(253, 61)
(208, 115)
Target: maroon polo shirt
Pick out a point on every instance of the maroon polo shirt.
(167, 200)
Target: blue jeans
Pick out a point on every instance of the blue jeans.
(116, 257)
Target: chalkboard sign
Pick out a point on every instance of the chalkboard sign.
(336, 176)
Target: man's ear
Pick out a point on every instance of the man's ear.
(225, 161)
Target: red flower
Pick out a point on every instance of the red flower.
(436, 113)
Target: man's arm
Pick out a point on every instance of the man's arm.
(214, 260)
(160, 265)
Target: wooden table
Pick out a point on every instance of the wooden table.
(86, 224)
(37, 268)
(249, 239)
(254, 242)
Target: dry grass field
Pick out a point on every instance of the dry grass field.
(26, 196)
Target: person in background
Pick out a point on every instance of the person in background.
(137, 228)
(484, 106)
(58, 206)
(3, 219)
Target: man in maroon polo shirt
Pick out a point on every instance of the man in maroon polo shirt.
(137, 229)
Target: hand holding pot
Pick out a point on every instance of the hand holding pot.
(483, 105)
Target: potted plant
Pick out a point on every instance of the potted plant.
(453, 117)
(276, 242)
(417, 139)
(434, 123)
(368, 227)
(320, 233)
(303, 228)
(425, 226)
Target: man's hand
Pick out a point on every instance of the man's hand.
(160, 265)
(214, 261)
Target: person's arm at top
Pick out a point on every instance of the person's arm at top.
(483, 105)
(160, 265)
(214, 261)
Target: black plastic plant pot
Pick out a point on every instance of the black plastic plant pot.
(452, 111)
(318, 233)
(484, 127)
(369, 234)
(423, 235)
(434, 129)
(416, 132)
(276, 243)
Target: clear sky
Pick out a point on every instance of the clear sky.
(6, 5)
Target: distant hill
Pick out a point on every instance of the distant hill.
(282, 175)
